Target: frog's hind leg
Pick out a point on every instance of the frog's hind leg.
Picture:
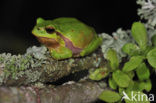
(61, 53)
(92, 46)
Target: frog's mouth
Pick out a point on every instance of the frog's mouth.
(49, 42)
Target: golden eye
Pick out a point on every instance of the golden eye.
(50, 30)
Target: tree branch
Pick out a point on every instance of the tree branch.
(81, 92)
(38, 66)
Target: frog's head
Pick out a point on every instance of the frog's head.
(46, 34)
(44, 28)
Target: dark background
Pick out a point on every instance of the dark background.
(17, 18)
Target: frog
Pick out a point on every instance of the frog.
(66, 37)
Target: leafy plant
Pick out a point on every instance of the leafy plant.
(99, 74)
(139, 34)
(121, 77)
(109, 96)
(113, 59)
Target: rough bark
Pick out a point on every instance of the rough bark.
(82, 92)
(49, 71)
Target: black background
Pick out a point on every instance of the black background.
(17, 18)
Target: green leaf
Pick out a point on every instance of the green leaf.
(143, 72)
(112, 83)
(145, 85)
(121, 79)
(133, 86)
(121, 91)
(151, 57)
(139, 86)
(136, 86)
(130, 86)
(131, 74)
(113, 59)
(153, 40)
(99, 74)
(131, 49)
(109, 96)
(139, 33)
(132, 63)
(136, 97)
(145, 51)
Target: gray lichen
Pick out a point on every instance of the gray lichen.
(37, 52)
(1, 78)
(17, 65)
(116, 41)
(32, 77)
(147, 11)
(97, 61)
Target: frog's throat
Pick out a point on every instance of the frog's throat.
(49, 42)
(69, 44)
(53, 44)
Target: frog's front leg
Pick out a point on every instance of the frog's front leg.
(61, 53)
(92, 46)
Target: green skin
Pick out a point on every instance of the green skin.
(81, 36)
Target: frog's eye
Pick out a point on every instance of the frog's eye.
(38, 28)
(50, 30)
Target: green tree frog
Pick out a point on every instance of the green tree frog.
(66, 37)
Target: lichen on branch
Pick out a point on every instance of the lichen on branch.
(36, 65)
